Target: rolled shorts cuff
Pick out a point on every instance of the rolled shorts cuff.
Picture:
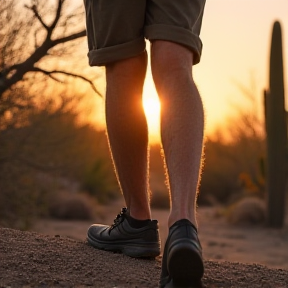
(103, 56)
(178, 35)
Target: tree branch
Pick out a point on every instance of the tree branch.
(68, 38)
(22, 68)
(33, 8)
(28, 65)
(57, 15)
(50, 74)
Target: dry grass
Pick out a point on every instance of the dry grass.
(247, 211)
(68, 206)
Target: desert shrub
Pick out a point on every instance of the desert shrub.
(20, 198)
(231, 170)
(71, 206)
(247, 211)
(49, 142)
(100, 182)
(219, 176)
(234, 164)
(39, 127)
(235, 155)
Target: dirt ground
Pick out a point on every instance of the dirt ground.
(58, 256)
(220, 241)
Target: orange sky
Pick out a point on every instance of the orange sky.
(236, 36)
(236, 43)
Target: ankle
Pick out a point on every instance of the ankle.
(172, 219)
(139, 214)
(135, 223)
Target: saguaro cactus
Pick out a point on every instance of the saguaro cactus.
(276, 130)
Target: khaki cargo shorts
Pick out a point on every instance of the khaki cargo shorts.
(116, 29)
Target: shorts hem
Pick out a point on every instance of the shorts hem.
(104, 56)
(178, 35)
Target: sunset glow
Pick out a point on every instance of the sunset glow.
(152, 108)
(235, 53)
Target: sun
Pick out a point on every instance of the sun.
(152, 109)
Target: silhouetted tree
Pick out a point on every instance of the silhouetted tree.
(39, 129)
(32, 33)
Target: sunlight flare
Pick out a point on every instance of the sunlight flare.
(152, 109)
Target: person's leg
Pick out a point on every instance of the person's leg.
(116, 41)
(182, 125)
(174, 27)
(127, 131)
(133, 232)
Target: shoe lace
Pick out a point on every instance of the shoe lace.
(119, 218)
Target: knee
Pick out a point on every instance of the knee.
(170, 59)
(131, 67)
(171, 65)
(124, 83)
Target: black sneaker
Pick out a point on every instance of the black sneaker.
(182, 263)
(121, 237)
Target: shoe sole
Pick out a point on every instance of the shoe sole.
(185, 265)
(135, 250)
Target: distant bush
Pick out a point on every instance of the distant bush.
(235, 160)
(71, 206)
(100, 182)
(231, 170)
(247, 211)
(21, 199)
(49, 142)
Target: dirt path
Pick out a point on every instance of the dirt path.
(220, 241)
(33, 260)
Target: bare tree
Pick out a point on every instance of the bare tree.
(32, 33)
(38, 39)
